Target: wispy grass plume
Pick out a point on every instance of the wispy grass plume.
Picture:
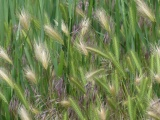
(103, 19)
(4, 55)
(51, 32)
(42, 53)
(145, 10)
(81, 47)
(5, 76)
(102, 113)
(30, 75)
(24, 19)
(85, 23)
(3, 97)
(65, 28)
(24, 115)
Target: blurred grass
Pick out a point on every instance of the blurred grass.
(102, 57)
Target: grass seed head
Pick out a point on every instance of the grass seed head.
(42, 54)
(64, 28)
(4, 75)
(112, 90)
(30, 75)
(24, 19)
(85, 23)
(145, 10)
(53, 33)
(65, 103)
(103, 19)
(102, 113)
(156, 50)
(153, 115)
(157, 78)
(4, 55)
(138, 79)
(154, 109)
(81, 47)
(23, 113)
(80, 12)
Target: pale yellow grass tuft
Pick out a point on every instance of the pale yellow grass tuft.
(5, 76)
(102, 113)
(81, 47)
(24, 19)
(65, 28)
(30, 75)
(103, 19)
(23, 113)
(51, 32)
(154, 109)
(85, 23)
(145, 10)
(42, 54)
(4, 55)
(65, 103)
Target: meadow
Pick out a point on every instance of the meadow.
(79, 59)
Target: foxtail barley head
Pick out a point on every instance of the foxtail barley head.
(23, 113)
(84, 26)
(157, 78)
(90, 75)
(4, 55)
(64, 28)
(103, 19)
(102, 113)
(138, 79)
(4, 75)
(53, 33)
(65, 103)
(81, 47)
(30, 75)
(145, 10)
(154, 109)
(80, 12)
(156, 50)
(24, 19)
(112, 90)
(42, 54)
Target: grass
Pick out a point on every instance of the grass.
(79, 59)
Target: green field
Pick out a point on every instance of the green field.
(79, 59)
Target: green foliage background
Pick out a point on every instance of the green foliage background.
(112, 71)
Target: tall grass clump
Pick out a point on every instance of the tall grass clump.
(79, 60)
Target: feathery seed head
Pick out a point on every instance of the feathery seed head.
(156, 50)
(84, 26)
(24, 19)
(4, 55)
(80, 12)
(42, 54)
(102, 113)
(112, 90)
(152, 114)
(65, 103)
(103, 19)
(81, 47)
(154, 108)
(30, 75)
(6, 78)
(157, 78)
(64, 28)
(23, 113)
(53, 33)
(145, 10)
(138, 79)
